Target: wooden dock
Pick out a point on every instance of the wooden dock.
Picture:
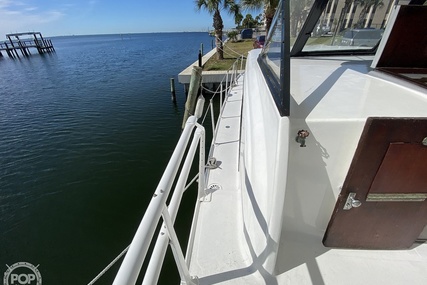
(23, 42)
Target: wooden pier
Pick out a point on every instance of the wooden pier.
(23, 42)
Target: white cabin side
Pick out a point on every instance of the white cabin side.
(289, 189)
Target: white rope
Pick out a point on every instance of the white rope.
(108, 266)
(210, 91)
(223, 44)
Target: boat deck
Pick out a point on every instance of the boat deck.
(304, 260)
(220, 252)
(336, 97)
(221, 256)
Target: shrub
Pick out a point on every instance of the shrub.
(232, 35)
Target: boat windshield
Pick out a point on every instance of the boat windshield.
(335, 26)
(325, 27)
(343, 24)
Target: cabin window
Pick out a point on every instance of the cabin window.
(274, 59)
(272, 50)
(311, 27)
(356, 25)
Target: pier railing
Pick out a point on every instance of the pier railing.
(15, 43)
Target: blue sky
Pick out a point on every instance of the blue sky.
(83, 17)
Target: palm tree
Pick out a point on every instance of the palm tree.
(269, 8)
(298, 13)
(238, 19)
(367, 5)
(344, 11)
(214, 7)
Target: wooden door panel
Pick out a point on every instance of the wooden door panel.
(390, 160)
(402, 174)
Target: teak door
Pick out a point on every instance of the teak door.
(382, 204)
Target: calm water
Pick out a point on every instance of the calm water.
(85, 134)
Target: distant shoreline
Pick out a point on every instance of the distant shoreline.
(126, 34)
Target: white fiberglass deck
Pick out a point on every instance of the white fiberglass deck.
(331, 98)
(220, 253)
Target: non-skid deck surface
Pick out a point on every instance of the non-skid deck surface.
(220, 255)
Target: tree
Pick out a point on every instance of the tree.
(214, 7)
(298, 14)
(367, 5)
(340, 24)
(269, 8)
(232, 35)
(249, 22)
(238, 19)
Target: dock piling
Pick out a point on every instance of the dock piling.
(173, 95)
(195, 82)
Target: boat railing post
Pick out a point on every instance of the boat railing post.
(226, 82)
(132, 263)
(220, 94)
(212, 118)
(202, 162)
(176, 249)
(235, 72)
(232, 77)
(155, 264)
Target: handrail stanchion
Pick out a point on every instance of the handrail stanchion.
(132, 263)
(220, 95)
(202, 162)
(226, 82)
(233, 68)
(155, 265)
(176, 248)
(212, 118)
(235, 73)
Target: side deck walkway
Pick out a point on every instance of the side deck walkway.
(221, 256)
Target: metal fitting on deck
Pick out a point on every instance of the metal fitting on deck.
(301, 136)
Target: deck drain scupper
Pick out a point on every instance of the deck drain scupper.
(208, 192)
(213, 187)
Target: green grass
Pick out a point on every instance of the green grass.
(320, 41)
(232, 51)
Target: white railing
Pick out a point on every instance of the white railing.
(138, 249)
(228, 81)
(132, 263)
